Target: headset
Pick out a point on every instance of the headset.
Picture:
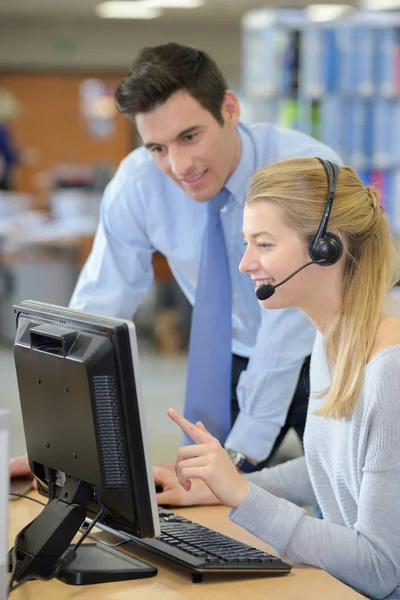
(325, 248)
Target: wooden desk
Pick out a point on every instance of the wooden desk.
(303, 583)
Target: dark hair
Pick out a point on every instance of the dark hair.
(159, 71)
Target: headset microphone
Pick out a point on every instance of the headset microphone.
(325, 248)
(266, 291)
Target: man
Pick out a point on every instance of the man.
(187, 180)
(8, 157)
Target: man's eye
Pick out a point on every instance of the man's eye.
(190, 137)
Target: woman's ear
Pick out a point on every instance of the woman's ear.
(336, 232)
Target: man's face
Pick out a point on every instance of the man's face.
(189, 145)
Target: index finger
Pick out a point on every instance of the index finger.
(197, 435)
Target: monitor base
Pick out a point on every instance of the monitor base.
(100, 564)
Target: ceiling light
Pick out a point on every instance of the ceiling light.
(117, 9)
(327, 12)
(174, 3)
(380, 4)
(259, 18)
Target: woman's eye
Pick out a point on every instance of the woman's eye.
(264, 245)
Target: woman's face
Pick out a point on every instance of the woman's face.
(273, 251)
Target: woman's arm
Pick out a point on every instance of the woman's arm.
(289, 480)
(366, 556)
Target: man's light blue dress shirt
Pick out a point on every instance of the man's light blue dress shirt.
(142, 211)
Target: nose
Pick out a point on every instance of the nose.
(180, 162)
(249, 262)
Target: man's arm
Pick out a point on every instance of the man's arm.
(119, 269)
(265, 389)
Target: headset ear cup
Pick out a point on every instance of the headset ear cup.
(327, 250)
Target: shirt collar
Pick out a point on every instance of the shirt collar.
(238, 181)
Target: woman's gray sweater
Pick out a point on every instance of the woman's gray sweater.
(351, 468)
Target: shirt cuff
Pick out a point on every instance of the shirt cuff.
(251, 437)
(271, 519)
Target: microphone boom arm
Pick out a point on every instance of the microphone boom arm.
(267, 290)
(311, 262)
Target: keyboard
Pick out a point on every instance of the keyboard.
(201, 550)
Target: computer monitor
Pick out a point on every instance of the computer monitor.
(84, 423)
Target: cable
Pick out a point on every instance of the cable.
(27, 497)
(52, 480)
(39, 502)
(89, 529)
(103, 542)
(16, 541)
(14, 558)
(64, 560)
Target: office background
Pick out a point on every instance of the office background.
(59, 64)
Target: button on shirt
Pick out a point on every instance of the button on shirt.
(144, 211)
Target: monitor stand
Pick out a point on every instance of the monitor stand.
(42, 544)
(101, 564)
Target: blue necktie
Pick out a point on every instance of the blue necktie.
(208, 387)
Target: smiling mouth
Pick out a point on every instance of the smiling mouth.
(195, 179)
(259, 282)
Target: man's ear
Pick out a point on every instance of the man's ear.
(230, 108)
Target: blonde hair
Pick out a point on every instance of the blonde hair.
(299, 188)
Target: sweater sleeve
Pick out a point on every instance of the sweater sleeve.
(366, 556)
(289, 480)
(382, 412)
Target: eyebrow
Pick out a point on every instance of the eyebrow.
(258, 233)
(181, 134)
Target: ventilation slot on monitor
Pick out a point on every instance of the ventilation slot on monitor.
(108, 427)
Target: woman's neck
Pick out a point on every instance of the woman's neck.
(323, 305)
(387, 334)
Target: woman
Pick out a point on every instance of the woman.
(351, 466)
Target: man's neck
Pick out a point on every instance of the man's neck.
(238, 153)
